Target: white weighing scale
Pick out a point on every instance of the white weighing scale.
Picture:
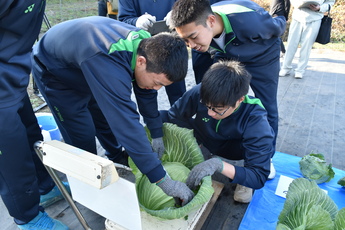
(95, 184)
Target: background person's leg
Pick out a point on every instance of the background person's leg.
(29, 120)
(294, 37)
(308, 37)
(105, 136)
(18, 181)
(102, 8)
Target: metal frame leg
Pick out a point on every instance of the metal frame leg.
(56, 178)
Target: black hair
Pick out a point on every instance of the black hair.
(165, 53)
(224, 84)
(188, 11)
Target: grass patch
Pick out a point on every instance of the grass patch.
(338, 46)
(337, 13)
(62, 10)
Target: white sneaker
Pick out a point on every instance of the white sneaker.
(285, 72)
(243, 194)
(272, 171)
(298, 75)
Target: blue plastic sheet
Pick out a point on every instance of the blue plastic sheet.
(264, 209)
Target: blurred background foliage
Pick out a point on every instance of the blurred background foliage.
(337, 13)
(62, 10)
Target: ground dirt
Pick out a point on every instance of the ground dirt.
(38, 104)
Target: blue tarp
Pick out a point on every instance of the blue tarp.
(264, 209)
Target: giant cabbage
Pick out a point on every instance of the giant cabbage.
(181, 154)
(307, 207)
(180, 146)
(314, 167)
(339, 222)
(155, 202)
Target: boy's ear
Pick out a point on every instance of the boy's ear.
(141, 60)
(241, 99)
(211, 19)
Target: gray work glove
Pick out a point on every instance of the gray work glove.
(176, 189)
(158, 146)
(145, 21)
(206, 168)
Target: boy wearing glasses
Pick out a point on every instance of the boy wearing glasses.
(230, 124)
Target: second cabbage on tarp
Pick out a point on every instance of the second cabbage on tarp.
(308, 207)
(181, 154)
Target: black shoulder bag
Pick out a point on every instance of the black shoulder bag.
(324, 35)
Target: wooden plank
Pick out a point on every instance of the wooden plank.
(218, 187)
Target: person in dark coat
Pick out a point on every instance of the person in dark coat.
(24, 181)
(235, 30)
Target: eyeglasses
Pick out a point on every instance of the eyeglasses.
(214, 109)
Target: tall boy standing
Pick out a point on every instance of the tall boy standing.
(24, 181)
(236, 30)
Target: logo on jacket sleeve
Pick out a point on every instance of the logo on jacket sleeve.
(135, 36)
(205, 119)
(30, 8)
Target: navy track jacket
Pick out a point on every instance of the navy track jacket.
(15, 47)
(251, 32)
(97, 55)
(245, 134)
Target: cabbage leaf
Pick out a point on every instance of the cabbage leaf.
(307, 207)
(341, 181)
(181, 154)
(339, 222)
(180, 146)
(155, 202)
(154, 198)
(314, 167)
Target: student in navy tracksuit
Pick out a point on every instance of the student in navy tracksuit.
(23, 177)
(229, 124)
(235, 30)
(86, 69)
(142, 14)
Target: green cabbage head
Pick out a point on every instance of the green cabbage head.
(307, 207)
(339, 222)
(314, 167)
(341, 181)
(181, 154)
(155, 202)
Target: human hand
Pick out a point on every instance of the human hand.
(145, 21)
(176, 189)
(206, 168)
(167, 18)
(158, 146)
(314, 7)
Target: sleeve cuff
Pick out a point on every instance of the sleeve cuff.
(157, 132)
(156, 174)
(239, 175)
